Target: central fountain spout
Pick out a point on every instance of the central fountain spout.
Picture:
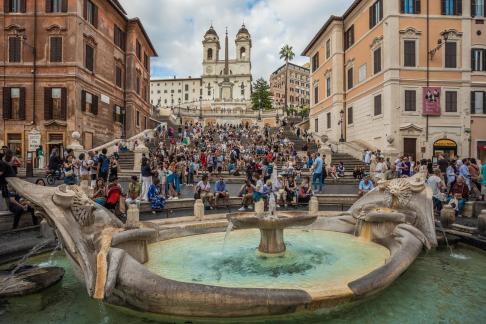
(271, 225)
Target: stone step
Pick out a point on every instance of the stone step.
(465, 229)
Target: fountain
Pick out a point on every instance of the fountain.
(321, 264)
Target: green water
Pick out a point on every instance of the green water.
(313, 259)
(436, 289)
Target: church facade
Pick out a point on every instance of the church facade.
(225, 84)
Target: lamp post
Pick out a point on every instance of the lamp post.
(172, 102)
(179, 112)
(259, 109)
(200, 108)
(341, 123)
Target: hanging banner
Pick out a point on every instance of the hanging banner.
(431, 101)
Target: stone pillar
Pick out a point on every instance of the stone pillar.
(447, 216)
(199, 210)
(46, 231)
(139, 151)
(260, 207)
(313, 206)
(75, 144)
(482, 223)
(468, 209)
(133, 216)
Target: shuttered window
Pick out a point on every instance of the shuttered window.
(377, 60)
(14, 103)
(350, 116)
(89, 59)
(451, 55)
(89, 102)
(56, 6)
(451, 101)
(55, 103)
(118, 76)
(410, 6)
(328, 120)
(139, 50)
(376, 13)
(377, 105)
(451, 7)
(119, 37)
(478, 8)
(14, 49)
(409, 53)
(55, 49)
(117, 114)
(350, 79)
(137, 84)
(349, 37)
(14, 6)
(90, 12)
(478, 59)
(316, 94)
(146, 61)
(315, 62)
(478, 102)
(410, 100)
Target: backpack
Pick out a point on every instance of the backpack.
(105, 164)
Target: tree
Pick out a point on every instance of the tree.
(287, 54)
(261, 95)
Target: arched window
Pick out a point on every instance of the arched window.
(210, 53)
(242, 53)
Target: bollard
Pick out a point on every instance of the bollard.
(199, 210)
(133, 216)
(260, 207)
(313, 206)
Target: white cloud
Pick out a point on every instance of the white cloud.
(176, 28)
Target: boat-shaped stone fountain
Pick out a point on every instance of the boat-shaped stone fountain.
(320, 263)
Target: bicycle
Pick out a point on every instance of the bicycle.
(52, 176)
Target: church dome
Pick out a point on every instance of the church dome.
(243, 30)
(211, 31)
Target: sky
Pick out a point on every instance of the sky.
(176, 28)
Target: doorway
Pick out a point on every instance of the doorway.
(410, 147)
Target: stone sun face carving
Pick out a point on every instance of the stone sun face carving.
(82, 208)
(398, 193)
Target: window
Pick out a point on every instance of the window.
(118, 76)
(376, 13)
(14, 49)
(14, 6)
(55, 49)
(328, 86)
(55, 103)
(138, 118)
(316, 94)
(117, 114)
(451, 101)
(56, 6)
(14, 142)
(89, 102)
(139, 50)
(478, 102)
(477, 8)
(90, 12)
(146, 61)
(409, 53)
(137, 84)
(242, 53)
(316, 125)
(451, 7)
(14, 103)
(328, 48)
(410, 100)
(89, 58)
(478, 59)
(186, 97)
(450, 55)
(349, 38)
(119, 37)
(186, 87)
(328, 120)
(362, 73)
(377, 60)
(410, 6)
(210, 54)
(350, 79)
(315, 62)
(377, 105)
(350, 116)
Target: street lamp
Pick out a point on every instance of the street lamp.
(200, 108)
(179, 113)
(172, 102)
(341, 123)
(259, 109)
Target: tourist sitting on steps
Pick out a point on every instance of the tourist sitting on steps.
(305, 192)
(458, 195)
(221, 192)
(99, 192)
(157, 202)
(203, 191)
(247, 196)
(365, 186)
(134, 190)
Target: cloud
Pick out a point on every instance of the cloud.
(177, 27)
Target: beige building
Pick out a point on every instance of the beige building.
(398, 76)
(225, 82)
(297, 86)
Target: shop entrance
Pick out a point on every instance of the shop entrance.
(410, 147)
(481, 155)
(55, 141)
(446, 147)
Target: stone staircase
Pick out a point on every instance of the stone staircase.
(126, 161)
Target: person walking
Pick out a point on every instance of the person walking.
(146, 178)
(317, 173)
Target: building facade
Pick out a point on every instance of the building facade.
(402, 77)
(72, 65)
(298, 93)
(225, 84)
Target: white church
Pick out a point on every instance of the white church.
(225, 84)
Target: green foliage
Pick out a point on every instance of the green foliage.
(261, 95)
(286, 53)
